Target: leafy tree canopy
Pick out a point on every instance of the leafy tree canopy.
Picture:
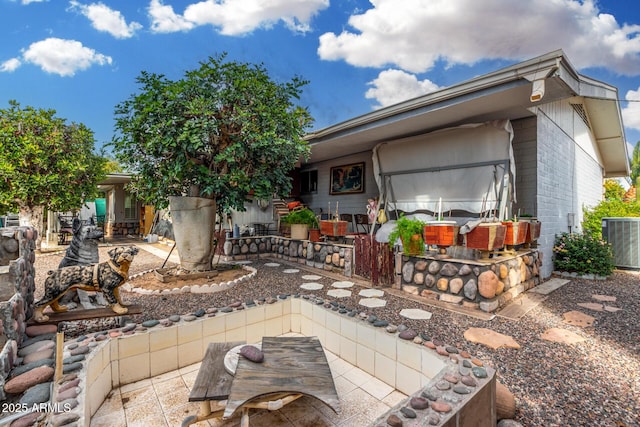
(45, 161)
(223, 130)
(635, 163)
(613, 190)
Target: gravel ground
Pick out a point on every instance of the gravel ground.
(592, 383)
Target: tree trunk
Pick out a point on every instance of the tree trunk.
(194, 220)
(32, 217)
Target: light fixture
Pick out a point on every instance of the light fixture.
(537, 90)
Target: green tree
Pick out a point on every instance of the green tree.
(613, 190)
(222, 131)
(635, 163)
(46, 163)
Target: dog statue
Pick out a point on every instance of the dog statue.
(105, 277)
(83, 249)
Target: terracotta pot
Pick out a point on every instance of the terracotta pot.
(415, 245)
(440, 233)
(314, 235)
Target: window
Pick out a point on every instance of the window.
(130, 207)
(308, 181)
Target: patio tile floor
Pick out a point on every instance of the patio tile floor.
(162, 401)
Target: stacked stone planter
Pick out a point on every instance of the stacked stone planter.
(17, 286)
(323, 255)
(485, 285)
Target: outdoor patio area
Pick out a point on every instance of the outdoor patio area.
(163, 401)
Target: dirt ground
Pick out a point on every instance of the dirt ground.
(150, 281)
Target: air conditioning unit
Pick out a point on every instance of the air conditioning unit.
(623, 234)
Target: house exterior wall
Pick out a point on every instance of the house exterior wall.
(569, 174)
(525, 155)
(348, 203)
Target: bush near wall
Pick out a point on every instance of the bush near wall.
(582, 254)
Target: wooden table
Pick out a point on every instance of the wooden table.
(292, 367)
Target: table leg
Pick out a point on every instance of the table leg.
(244, 421)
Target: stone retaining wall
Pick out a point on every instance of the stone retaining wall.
(17, 286)
(327, 256)
(484, 284)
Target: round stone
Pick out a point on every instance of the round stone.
(394, 421)
(460, 389)
(479, 372)
(408, 334)
(408, 412)
(419, 403)
(150, 323)
(470, 381)
(441, 407)
(443, 385)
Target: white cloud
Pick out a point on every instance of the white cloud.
(33, 1)
(393, 86)
(414, 34)
(237, 17)
(165, 20)
(10, 65)
(107, 20)
(63, 57)
(631, 113)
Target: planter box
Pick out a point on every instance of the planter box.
(299, 231)
(516, 232)
(533, 233)
(333, 228)
(441, 233)
(487, 236)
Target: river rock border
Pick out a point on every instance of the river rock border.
(485, 285)
(194, 289)
(327, 256)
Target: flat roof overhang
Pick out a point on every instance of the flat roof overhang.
(504, 94)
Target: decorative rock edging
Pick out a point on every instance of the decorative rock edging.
(486, 285)
(322, 255)
(574, 275)
(195, 289)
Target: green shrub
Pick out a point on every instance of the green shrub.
(405, 228)
(583, 254)
(592, 223)
(301, 216)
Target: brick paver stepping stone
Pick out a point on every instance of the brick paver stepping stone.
(291, 270)
(604, 298)
(311, 277)
(591, 306)
(578, 318)
(311, 286)
(272, 264)
(371, 293)
(490, 338)
(372, 302)
(562, 336)
(342, 284)
(339, 293)
(415, 314)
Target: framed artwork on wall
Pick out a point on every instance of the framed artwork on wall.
(347, 179)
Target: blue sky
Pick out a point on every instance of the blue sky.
(81, 58)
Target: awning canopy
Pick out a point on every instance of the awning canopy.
(469, 168)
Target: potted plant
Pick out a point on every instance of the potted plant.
(300, 221)
(410, 233)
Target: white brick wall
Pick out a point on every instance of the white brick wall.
(568, 176)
